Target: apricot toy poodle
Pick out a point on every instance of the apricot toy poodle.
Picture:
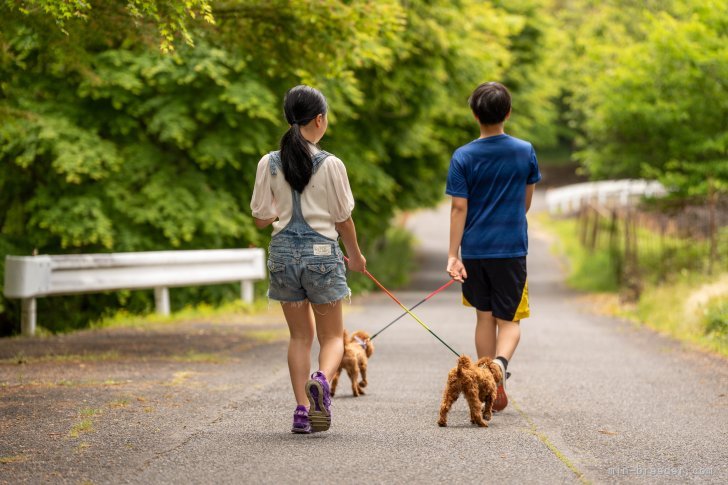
(357, 350)
(478, 383)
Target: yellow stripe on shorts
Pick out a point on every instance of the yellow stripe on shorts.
(523, 310)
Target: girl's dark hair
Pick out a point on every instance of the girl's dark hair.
(301, 105)
(491, 103)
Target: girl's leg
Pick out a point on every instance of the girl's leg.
(300, 325)
(509, 334)
(485, 336)
(330, 332)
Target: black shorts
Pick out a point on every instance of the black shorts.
(498, 286)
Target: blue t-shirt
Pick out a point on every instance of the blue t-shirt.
(492, 173)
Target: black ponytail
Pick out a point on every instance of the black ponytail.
(296, 158)
(301, 105)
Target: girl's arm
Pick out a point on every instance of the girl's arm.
(458, 213)
(261, 202)
(261, 223)
(347, 231)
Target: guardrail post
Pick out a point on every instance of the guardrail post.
(161, 300)
(27, 317)
(246, 291)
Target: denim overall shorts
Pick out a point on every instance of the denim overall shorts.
(302, 263)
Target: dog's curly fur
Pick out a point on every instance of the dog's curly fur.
(478, 383)
(355, 360)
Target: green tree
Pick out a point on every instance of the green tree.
(170, 17)
(647, 92)
(109, 144)
(532, 71)
(411, 114)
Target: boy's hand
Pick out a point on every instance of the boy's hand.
(456, 269)
(358, 263)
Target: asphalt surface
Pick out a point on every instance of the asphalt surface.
(593, 399)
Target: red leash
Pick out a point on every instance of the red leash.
(406, 309)
(412, 308)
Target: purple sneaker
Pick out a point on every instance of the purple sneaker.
(301, 424)
(317, 390)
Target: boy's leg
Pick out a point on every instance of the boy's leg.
(509, 334)
(485, 335)
(477, 294)
(509, 302)
(496, 286)
(300, 325)
(330, 332)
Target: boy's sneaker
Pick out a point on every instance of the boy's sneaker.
(501, 400)
(301, 424)
(317, 390)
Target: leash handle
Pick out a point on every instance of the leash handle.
(413, 307)
(371, 276)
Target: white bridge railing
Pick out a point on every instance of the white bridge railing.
(30, 277)
(607, 193)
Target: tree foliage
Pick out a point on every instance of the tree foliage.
(648, 92)
(171, 17)
(131, 125)
(110, 144)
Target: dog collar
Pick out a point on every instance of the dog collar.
(360, 342)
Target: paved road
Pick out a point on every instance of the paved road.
(593, 399)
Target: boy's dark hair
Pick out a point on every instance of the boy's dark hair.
(490, 102)
(301, 105)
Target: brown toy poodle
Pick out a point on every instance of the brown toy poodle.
(357, 350)
(478, 383)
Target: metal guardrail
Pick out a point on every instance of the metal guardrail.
(31, 277)
(607, 193)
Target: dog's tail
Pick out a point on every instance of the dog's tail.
(346, 337)
(463, 361)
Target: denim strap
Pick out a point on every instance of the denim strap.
(275, 161)
(275, 165)
(319, 158)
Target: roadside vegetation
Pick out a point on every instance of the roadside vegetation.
(231, 311)
(137, 125)
(686, 304)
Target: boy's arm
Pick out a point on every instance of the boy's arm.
(529, 195)
(458, 213)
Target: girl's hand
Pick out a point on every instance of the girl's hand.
(456, 269)
(263, 223)
(358, 263)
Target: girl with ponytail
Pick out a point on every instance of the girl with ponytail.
(304, 193)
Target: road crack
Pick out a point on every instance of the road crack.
(533, 429)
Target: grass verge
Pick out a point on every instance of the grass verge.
(684, 309)
(226, 312)
(587, 271)
(689, 306)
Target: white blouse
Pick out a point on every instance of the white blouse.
(326, 200)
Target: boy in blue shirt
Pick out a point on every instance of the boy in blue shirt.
(491, 181)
